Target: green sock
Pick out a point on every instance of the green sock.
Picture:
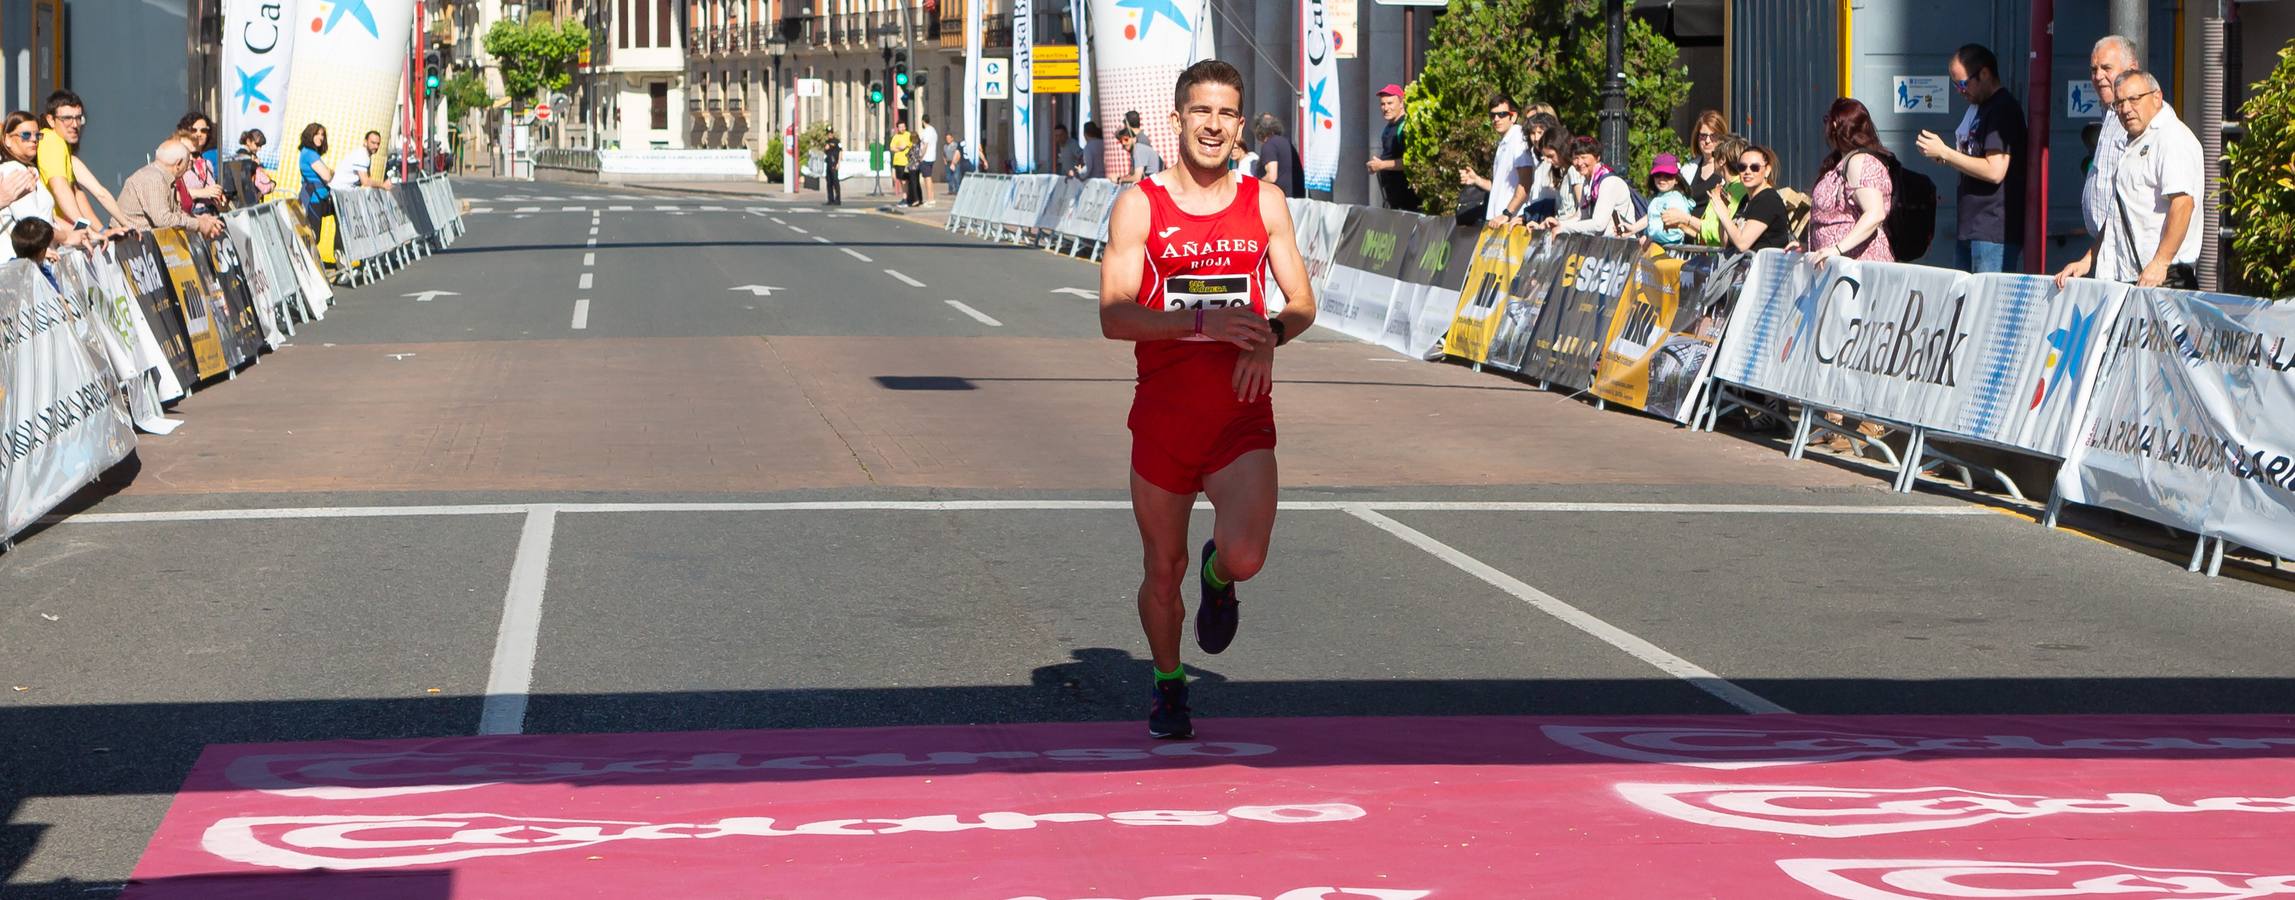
(1177, 673)
(1211, 572)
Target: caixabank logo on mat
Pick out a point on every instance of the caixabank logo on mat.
(1711, 747)
(1849, 812)
(1940, 879)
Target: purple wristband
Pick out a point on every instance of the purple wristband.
(1199, 323)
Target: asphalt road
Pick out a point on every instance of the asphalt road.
(883, 488)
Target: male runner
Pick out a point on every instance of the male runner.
(1184, 279)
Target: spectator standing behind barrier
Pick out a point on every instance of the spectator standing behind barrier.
(1705, 167)
(1761, 221)
(358, 165)
(148, 200)
(1987, 151)
(1612, 211)
(1278, 159)
(1548, 189)
(2112, 56)
(20, 185)
(832, 155)
(1505, 193)
(902, 144)
(1145, 161)
(2150, 237)
(1387, 163)
(61, 170)
(1068, 157)
(198, 191)
(928, 141)
(1095, 152)
(1853, 194)
(957, 162)
(311, 157)
(242, 177)
(1665, 195)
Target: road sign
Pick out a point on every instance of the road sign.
(812, 87)
(1055, 76)
(561, 101)
(1045, 53)
(995, 78)
(2080, 100)
(542, 113)
(1921, 94)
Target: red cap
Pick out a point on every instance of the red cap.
(1394, 89)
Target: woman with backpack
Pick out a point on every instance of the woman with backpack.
(1851, 201)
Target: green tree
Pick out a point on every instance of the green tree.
(2258, 190)
(535, 56)
(770, 162)
(464, 92)
(1548, 51)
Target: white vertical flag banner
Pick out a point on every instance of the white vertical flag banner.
(972, 138)
(258, 46)
(1320, 64)
(1023, 92)
(350, 60)
(1079, 11)
(1139, 47)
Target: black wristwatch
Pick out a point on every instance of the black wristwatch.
(1281, 336)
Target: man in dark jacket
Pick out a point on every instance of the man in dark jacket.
(1387, 163)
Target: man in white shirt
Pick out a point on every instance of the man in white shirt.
(1508, 168)
(2111, 57)
(2150, 234)
(931, 138)
(1613, 206)
(357, 171)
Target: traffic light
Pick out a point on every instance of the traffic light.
(900, 68)
(430, 68)
(876, 93)
(917, 80)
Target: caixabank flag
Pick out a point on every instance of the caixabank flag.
(349, 60)
(2193, 420)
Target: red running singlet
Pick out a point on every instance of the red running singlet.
(1185, 420)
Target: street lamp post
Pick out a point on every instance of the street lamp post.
(1613, 132)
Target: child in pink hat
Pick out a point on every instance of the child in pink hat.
(1665, 193)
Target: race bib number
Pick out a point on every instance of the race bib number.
(1206, 292)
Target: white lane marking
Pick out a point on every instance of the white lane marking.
(478, 210)
(590, 243)
(587, 197)
(574, 209)
(1728, 691)
(823, 239)
(777, 220)
(512, 673)
(581, 314)
(665, 209)
(619, 208)
(799, 229)
(713, 209)
(982, 317)
(911, 282)
(593, 231)
(589, 259)
(856, 254)
(361, 512)
(585, 285)
(528, 209)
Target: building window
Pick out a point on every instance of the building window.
(660, 112)
(668, 24)
(623, 9)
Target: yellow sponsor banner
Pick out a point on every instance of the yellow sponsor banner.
(1497, 253)
(1640, 320)
(201, 320)
(1043, 53)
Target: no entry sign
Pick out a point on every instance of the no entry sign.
(1295, 809)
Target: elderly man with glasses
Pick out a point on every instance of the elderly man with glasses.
(2148, 234)
(1510, 168)
(148, 201)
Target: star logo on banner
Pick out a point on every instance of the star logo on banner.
(1025, 115)
(2067, 352)
(356, 9)
(1315, 105)
(251, 88)
(1149, 10)
(1804, 320)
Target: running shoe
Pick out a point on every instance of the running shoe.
(1217, 616)
(1167, 713)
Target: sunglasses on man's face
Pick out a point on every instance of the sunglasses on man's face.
(1502, 114)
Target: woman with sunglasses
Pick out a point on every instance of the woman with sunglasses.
(1761, 222)
(197, 192)
(20, 183)
(1708, 168)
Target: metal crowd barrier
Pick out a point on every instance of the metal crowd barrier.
(383, 229)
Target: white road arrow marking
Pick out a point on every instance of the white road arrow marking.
(761, 290)
(427, 296)
(1080, 292)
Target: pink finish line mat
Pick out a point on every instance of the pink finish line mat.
(1276, 809)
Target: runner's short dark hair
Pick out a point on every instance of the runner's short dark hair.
(1210, 71)
(1976, 59)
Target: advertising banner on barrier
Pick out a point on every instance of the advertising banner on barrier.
(1999, 358)
(1138, 51)
(219, 267)
(1365, 272)
(296, 239)
(1566, 342)
(1498, 255)
(2193, 423)
(125, 337)
(1327, 223)
(1522, 301)
(147, 280)
(269, 281)
(1659, 344)
(1422, 307)
(1087, 218)
(62, 420)
(201, 324)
